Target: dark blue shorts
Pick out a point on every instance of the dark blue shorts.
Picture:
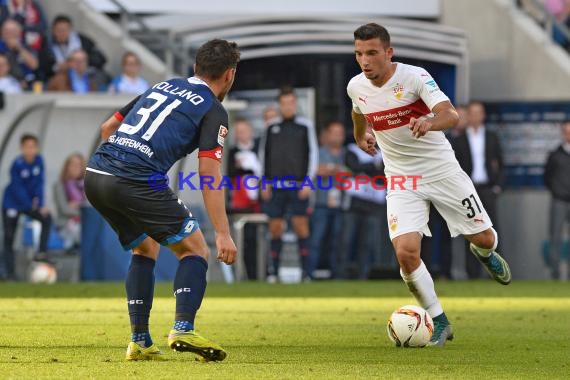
(135, 210)
(285, 201)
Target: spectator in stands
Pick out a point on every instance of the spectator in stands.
(365, 222)
(69, 196)
(479, 154)
(289, 154)
(326, 219)
(130, 81)
(77, 76)
(243, 161)
(25, 195)
(8, 84)
(31, 17)
(269, 115)
(65, 40)
(557, 180)
(23, 62)
(560, 9)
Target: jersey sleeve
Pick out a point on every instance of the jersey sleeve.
(428, 90)
(120, 114)
(213, 131)
(351, 96)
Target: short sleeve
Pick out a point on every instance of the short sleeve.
(120, 114)
(428, 90)
(213, 131)
(351, 96)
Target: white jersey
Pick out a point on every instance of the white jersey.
(411, 92)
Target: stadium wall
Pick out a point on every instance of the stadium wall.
(511, 57)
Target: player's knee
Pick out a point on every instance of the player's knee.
(407, 255)
(485, 239)
(276, 228)
(149, 248)
(301, 227)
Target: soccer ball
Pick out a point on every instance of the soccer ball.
(410, 326)
(43, 273)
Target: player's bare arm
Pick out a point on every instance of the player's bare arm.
(109, 127)
(215, 205)
(445, 117)
(365, 140)
(113, 123)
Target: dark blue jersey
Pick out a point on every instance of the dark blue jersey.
(165, 123)
(26, 188)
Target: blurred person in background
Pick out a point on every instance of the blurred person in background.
(436, 249)
(326, 219)
(242, 162)
(130, 81)
(289, 154)
(69, 196)
(23, 61)
(77, 76)
(557, 180)
(560, 9)
(65, 40)
(479, 154)
(269, 115)
(25, 195)
(8, 84)
(365, 221)
(31, 17)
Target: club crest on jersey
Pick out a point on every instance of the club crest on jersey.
(393, 222)
(222, 133)
(398, 91)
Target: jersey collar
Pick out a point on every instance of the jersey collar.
(196, 80)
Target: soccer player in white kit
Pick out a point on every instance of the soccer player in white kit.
(406, 112)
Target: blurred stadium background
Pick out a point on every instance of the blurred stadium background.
(512, 55)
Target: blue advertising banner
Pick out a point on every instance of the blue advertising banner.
(528, 131)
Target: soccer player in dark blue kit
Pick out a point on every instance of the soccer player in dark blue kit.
(162, 125)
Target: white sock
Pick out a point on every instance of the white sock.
(486, 252)
(421, 286)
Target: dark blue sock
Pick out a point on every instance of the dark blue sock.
(276, 246)
(143, 339)
(303, 246)
(189, 289)
(140, 290)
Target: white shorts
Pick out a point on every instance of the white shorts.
(454, 197)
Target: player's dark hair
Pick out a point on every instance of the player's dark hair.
(284, 91)
(372, 30)
(27, 137)
(215, 57)
(62, 18)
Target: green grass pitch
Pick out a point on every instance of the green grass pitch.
(317, 330)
